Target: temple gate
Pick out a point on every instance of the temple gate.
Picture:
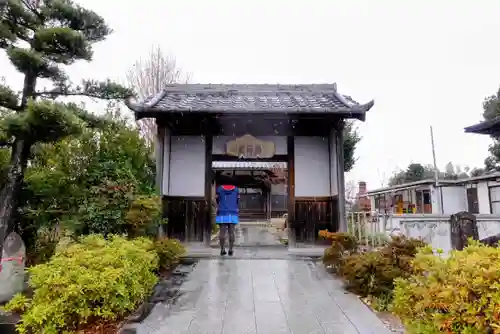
(209, 132)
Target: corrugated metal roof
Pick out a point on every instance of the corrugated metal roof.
(247, 165)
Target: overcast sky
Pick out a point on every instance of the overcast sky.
(423, 62)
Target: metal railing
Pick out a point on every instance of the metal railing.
(369, 228)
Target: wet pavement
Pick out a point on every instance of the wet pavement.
(280, 252)
(268, 289)
(262, 296)
(253, 234)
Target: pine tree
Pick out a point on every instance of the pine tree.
(41, 38)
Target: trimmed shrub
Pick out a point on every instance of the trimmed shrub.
(370, 274)
(143, 215)
(346, 240)
(457, 294)
(403, 246)
(373, 273)
(169, 251)
(342, 244)
(92, 280)
(402, 250)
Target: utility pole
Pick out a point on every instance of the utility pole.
(436, 175)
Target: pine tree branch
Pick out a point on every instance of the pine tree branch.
(5, 143)
(8, 98)
(105, 90)
(32, 9)
(55, 94)
(18, 20)
(11, 107)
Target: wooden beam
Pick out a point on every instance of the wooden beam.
(339, 135)
(160, 159)
(207, 233)
(275, 158)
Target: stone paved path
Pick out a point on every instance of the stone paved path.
(224, 295)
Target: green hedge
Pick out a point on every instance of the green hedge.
(92, 280)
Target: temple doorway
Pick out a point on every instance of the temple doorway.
(263, 199)
(263, 187)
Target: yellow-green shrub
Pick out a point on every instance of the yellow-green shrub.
(87, 281)
(169, 251)
(458, 294)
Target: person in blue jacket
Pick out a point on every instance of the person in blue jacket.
(228, 198)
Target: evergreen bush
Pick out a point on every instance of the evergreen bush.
(455, 294)
(92, 280)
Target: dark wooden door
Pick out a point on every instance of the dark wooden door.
(472, 201)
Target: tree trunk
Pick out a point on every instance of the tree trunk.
(11, 189)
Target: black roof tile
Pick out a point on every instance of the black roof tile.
(238, 98)
(487, 127)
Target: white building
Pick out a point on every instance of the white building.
(479, 195)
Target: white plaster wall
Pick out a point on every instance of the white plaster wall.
(187, 166)
(483, 197)
(454, 199)
(219, 143)
(488, 225)
(435, 229)
(334, 187)
(312, 167)
(431, 228)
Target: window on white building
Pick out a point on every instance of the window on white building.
(495, 199)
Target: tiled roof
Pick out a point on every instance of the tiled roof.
(488, 127)
(238, 98)
(256, 165)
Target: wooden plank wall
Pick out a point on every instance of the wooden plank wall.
(313, 214)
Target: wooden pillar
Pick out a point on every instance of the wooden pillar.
(291, 190)
(334, 194)
(339, 135)
(207, 233)
(159, 155)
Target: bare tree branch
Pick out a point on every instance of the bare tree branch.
(350, 191)
(148, 77)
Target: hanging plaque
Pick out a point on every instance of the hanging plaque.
(249, 147)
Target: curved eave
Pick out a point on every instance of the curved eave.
(490, 127)
(144, 111)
